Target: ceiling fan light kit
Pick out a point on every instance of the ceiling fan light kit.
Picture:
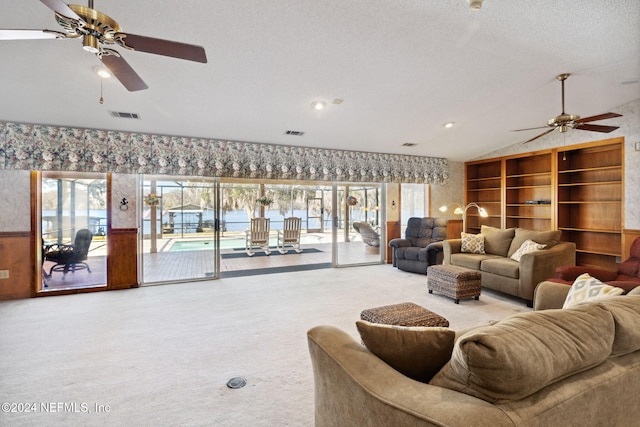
(98, 30)
(565, 121)
(475, 5)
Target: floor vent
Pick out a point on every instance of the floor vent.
(294, 132)
(237, 382)
(123, 115)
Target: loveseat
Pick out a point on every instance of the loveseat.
(561, 367)
(512, 260)
(422, 245)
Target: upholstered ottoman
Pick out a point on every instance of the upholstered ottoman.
(454, 281)
(404, 314)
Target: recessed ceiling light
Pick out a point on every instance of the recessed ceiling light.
(318, 105)
(448, 125)
(409, 144)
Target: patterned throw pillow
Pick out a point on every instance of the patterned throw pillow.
(527, 247)
(472, 243)
(587, 288)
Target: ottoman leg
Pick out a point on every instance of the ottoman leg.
(477, 297)
(430, 291)
(457, 301)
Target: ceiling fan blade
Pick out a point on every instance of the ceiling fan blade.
(596, 128)
(124, 73)
(540, 136)
(520, 130)
(178, 50)
(29, 34)
(598, 117)
(61, 8)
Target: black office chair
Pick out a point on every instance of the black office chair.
(70, 257)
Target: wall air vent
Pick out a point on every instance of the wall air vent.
(123, 115)
(409, 144)
(294, 132)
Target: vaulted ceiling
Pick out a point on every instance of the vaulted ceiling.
(403, 68)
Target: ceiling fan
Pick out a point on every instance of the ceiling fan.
(99, 30)
(565, 121)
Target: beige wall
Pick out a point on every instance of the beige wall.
(449, 193)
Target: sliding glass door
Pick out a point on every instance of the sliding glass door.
(358, 225)
(180, 229)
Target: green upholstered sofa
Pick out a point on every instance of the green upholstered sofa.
(503, 274)
(560, 367)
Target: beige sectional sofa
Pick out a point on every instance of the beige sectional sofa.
(561, 367)
(500, 272)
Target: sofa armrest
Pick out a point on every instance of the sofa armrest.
(451, 246)
(549, 295)
(571, 273)
(538, 266)
(399, 243)
(355, 387)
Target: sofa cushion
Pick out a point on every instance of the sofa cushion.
(549, 238)
(586, 288)
(472, 261)
(502, 267)
(527, 247)
(496, 240)
(417, 352)
(626, 315)
(526, 352)
(472, 243)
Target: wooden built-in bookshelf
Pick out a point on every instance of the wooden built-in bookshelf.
(576, 189)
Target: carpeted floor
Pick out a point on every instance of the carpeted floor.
(161, 355)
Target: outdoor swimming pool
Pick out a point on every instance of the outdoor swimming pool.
(192, 245)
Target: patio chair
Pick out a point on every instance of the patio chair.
(69, 257)
(369, 236)
(290, 235)
(257, 236)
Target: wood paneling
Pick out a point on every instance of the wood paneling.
(16, 256)
(454, 228)
(122, 262)
(393, 231)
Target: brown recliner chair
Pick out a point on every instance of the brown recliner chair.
(627, 276)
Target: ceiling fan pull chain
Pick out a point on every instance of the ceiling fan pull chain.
(101, 98)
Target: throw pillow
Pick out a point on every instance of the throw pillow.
(472, 243)
(496, 240)
(527, 247)
(586, 288)
(417, 352)
(549, 238)
(634, 291)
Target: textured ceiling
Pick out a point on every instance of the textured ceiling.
(402, 67)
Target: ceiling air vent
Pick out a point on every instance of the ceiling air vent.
(123, 115)
(294, 132)
(409, 144)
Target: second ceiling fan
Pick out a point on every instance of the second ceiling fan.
(98, 31)
(564, 121)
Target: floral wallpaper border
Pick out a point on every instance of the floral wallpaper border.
(55, 148)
